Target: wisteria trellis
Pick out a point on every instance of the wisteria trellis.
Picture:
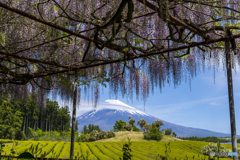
(153, 26)
(132, 44)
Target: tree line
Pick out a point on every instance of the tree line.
(206, 139)
(18, 116)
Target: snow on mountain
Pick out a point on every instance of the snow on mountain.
(106, 114)
(116, 105)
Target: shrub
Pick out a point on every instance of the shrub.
(83, 138)
(126, 127)
(154, 133)
(91, 138)
(127, 151)
(39, 132)
(102, 135)
(136, 129)
(94, 134)
(153, 136)
(168, 131)
(110, 134)
(154, 129)
(213, 147)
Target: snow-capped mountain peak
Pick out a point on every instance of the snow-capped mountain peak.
(115, 105)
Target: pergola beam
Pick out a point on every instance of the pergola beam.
(30, 59)
(136, 57)
(143, 55)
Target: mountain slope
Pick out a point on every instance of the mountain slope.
(106, 116)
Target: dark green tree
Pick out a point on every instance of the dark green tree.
(76, 126)
(118, 125)
(168, 131)
(85, 130)
(96, 127)
(174, 134)
(89, 128)
(10, 121)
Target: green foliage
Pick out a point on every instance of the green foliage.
(104, 150)
(33, 134)
(140, 150)
(20, 118)
(206, 139)
(213, 147)
(10, 121)
(85, 130)
(147, 127)
(154, 133)
(87, 154)
(95, 135)
(118, 125)
(90, 128)
(158, 123)
(56, 151)
(26, 155)
(39, 132)
(102, 135)
(83, 138)
(153, 136)
(1, 147)
(174, 134)
(168, 131)
(110, 134)
(76, 126)
(141, 123)
(167, 153)
(127, 127)
(97, 153)
(136, 129)
(154, 129)
(131, 122)
(127, 151)
(65, 151)
(167, 149)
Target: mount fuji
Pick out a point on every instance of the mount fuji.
(113, 110)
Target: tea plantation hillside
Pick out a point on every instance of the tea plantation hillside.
(141, 150)
(112, 148)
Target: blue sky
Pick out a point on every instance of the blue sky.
(205, 106)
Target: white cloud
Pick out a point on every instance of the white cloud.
(214, 103)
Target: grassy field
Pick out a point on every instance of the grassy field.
(135, 136)
(112, 148)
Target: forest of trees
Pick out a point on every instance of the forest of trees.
(16, 117)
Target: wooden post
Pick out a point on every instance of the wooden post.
(231, 99)
(73, 116)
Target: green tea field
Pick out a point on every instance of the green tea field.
(141, 150)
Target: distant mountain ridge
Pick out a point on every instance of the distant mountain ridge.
(115, 110)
